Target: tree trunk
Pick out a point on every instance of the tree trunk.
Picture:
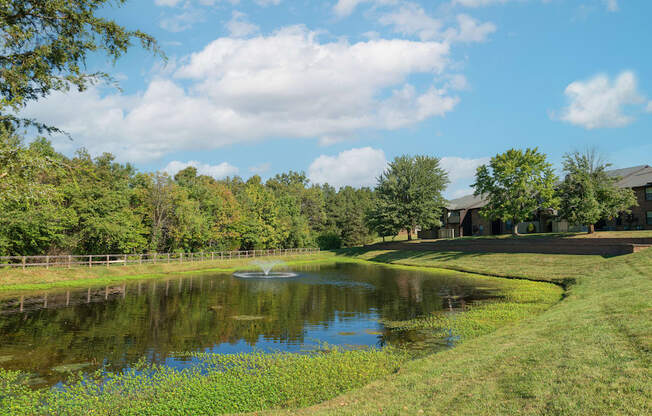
(409, 231)
(515, 229)
(591, 228)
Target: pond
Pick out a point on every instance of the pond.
(344, 304)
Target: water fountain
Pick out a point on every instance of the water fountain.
(265, 271)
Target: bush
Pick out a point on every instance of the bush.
(329, 241)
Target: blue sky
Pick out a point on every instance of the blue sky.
(336, 88)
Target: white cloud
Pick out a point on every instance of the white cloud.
(239, 26)
(168, 3)
(470, 30)
(220, 171)
(600, 102)
(344, 8)
(410, 19)
(461, 173)
(189, 3)
(649, 107)
(458, 82)
(459, 168)
(612, 5)
(362, 166)
(355, 167)
(479, 3)
(287, 84)
(182, 21)
(265, 3)
(262, 168)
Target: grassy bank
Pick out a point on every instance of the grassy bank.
(253, 382)
(12, 280)
(589, 354)
(556, 268)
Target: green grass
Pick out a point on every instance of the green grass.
(589, 354)
(557, 268)
(218, 384)
(15, 280)
(389, 239)
(254, 382)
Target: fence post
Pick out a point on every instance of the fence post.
(125, 260)
(90, 261)
(168, 257)
(69, 261)
(24, 261)
(212, 255)
(181, 257)
(47, 262)
(140, 259)
(107, 260)
(155, 255)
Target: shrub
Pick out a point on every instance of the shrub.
(329, 241)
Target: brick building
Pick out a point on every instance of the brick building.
(638, 178)
(462, 215)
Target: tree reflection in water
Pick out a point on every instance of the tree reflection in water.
(340, 304)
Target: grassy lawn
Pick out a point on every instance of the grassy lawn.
(12, 280)
(556, 268)
(590, 354)
(400, 237)
(253, 382)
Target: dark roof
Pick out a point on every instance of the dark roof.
(466, 202)
(633, 177)
(625, 171)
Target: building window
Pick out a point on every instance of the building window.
(649, 218)
(648, 193)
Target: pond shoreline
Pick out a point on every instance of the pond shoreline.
(353, 369)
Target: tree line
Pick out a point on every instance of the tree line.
(53, 204)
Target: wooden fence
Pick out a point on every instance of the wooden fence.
(108, 260)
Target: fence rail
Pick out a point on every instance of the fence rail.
(108, 260)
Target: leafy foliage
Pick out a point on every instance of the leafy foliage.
(45, 44)
(517, 184)
(217, 384)
(82, 205)
(409, 192)
(588, 194)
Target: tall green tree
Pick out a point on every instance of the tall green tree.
(44, 45)
(102, 193)
(588, 194)
(33, 217)
(517, 184)
(382, 219)
(410, 193)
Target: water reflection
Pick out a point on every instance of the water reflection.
(50, 333)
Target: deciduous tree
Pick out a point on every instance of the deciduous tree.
(517, 184)
(44, 45)
(588, 194)
(411, 187)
